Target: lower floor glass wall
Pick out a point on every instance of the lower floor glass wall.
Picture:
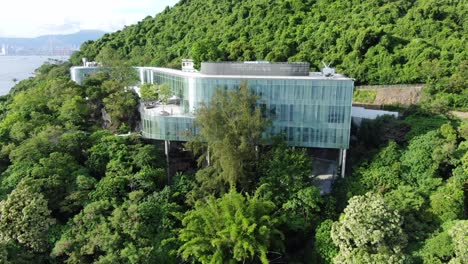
(167, 127)
(181, 129)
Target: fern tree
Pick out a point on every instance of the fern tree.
(231, 229)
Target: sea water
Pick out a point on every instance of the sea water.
(20, 68)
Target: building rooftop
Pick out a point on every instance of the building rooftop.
(256, 68)
(310, 76)
(249, 70)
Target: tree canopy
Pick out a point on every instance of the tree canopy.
(230, 129)
(375, 42)
(74, 189)
(369, 232)
(233, 228)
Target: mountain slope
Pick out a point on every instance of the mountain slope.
(375, 41)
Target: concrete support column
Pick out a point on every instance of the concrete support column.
(167, 147)
(142, 75)
(343, 164)
(208, 157)
(340, 157)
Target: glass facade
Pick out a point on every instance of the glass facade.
(172, 127)
(308, 112)
(79, 74)
(166, 127)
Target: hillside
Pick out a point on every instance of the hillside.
(375, 42)
(75, 188)
(72, 192)
(381, 95)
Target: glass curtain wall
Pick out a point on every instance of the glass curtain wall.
(308, 112)
(156, 126)
(80, 74)
(166, 127)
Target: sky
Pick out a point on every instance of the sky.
(32, 18)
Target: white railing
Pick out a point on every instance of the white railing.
(394, 86)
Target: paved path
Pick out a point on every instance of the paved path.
(324, 172)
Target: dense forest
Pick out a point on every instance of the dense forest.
(76, 188)
(375, 41)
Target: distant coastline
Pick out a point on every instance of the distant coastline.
(48, 45)
(19, 57)
(15, 68)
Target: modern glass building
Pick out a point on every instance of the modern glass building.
(80, 73)
(310, 109)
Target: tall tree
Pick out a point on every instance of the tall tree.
(25, 218)
(230, 130)
(148, 92)
(459, 234)
(128, 233)
(323, 243)
(369, 232)
(117, 66)
(164, 93)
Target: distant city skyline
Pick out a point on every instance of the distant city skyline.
(26, 18)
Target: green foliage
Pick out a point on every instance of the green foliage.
(447, 92)
(124, 164)
(463, 130)
(302, 208)
(122, 107)
(25, 218)
(447, 202)
(233, 228)
(376, 133)
(447, 245)
(148, 92)
(74, 112)
(205, 50)
(384, 170)
(369, 231)
(231, 128)
(38, 106)
(164, 92)
(419, 167)
(364, 96)
(286, 179)
(4, 254)
(439, 247)
(375, 42)
(323, 242)
(412, 206)
(422, 123)
(459, 234)
(117, 66)
(424, 180)
(130, 233)
(97, 198)
(285, 171)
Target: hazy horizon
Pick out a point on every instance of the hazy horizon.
(29, 19)
(58, 34)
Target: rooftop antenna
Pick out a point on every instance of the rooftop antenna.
(327, 71)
